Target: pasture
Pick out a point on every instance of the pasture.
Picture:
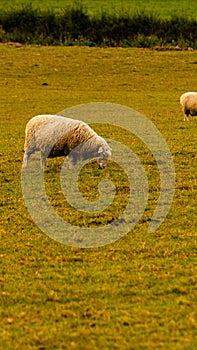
(164, 8)
(139, 292)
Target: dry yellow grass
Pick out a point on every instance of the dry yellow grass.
(140, 292)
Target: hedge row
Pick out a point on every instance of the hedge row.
(73, 26)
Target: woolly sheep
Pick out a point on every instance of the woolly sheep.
(188, 102)
(56, 136)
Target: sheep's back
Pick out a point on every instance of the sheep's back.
(189, 100)
(56, 135)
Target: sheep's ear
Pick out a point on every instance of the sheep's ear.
(100, 150)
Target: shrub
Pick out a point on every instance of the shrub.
(73, 25)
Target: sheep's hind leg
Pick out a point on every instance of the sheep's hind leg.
(25, 160)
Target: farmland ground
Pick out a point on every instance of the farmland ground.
(137, 293)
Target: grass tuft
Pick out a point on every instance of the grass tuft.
(73, 25)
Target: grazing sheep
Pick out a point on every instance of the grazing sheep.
(188, 102)
(56, 136)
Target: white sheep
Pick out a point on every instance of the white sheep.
(56, 136)
(188, 102)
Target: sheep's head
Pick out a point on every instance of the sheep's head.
(104, 152)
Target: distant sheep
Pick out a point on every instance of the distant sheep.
(56, 136)
(188, 102)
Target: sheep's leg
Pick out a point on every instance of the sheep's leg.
(70, 163)
(43, 161)
(72, 160)
(186, 118)
(25, 160)
(187, 113)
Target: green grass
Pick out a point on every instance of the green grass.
(164, 7)
(141, 28)
(139, 292)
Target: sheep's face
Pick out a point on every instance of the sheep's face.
(104, 153)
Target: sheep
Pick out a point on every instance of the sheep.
(188, 102)
(56, 136)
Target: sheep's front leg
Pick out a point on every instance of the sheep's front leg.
(71, 163)
(43, 161)
(72, 160)
(186, 118)
(187, 113)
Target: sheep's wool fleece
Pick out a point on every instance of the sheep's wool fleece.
(56, 135)
(189, 102)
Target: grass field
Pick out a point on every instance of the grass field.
(165, 8)
(139, 292)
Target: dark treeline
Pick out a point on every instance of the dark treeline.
(74, 26)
